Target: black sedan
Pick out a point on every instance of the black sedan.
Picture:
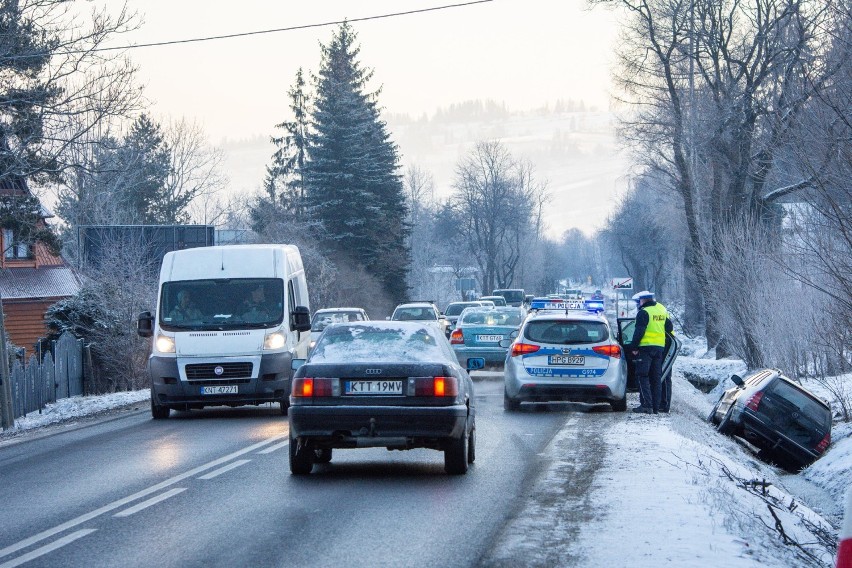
(396, 385)
(788, 423)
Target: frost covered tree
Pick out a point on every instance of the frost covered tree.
(499, 205)
(353, 188)
(57, 88)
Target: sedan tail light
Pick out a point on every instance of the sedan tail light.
(456, 337)
(523, 349)
(608, 350)
(433, 386)
(821, 447)
(754, 402)
(308, 387)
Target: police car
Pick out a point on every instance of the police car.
(565, 351)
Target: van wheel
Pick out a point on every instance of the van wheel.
(619, 405)
(159, 412)
(301, 458)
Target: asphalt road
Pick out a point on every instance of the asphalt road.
(213, 488)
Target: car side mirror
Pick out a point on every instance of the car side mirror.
(300, 319)
(737, 380)
(475, 363)
(145, 324)
(295, 364)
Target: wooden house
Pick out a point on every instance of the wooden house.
(31, 279)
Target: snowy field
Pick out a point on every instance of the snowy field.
(668, 490)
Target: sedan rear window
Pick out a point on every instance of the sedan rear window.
(380, 343)
(566, 332)
(490, 317)
(456, 309)
(802, 403)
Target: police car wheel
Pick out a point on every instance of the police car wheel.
(619, 405)
(510, 403)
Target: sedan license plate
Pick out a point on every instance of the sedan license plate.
(225, 389)
(566, 360)
(489, 338)
(372, 387)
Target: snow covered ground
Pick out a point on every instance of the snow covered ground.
(668, 489)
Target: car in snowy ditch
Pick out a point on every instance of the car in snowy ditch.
(396, 385)
(565, 355)
(787, 423)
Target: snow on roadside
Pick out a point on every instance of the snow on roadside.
(77, 407)
(677, 493)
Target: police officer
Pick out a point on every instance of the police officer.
(647, 347)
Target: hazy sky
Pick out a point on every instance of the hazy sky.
(523, 52)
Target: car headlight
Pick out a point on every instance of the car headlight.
(165, 344)
(275, 340)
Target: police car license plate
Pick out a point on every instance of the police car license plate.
(566, 360)
(372, 387)
(225, 389)
(489, 338)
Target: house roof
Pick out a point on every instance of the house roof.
(45, 282)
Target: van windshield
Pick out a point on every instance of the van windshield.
(222, 304)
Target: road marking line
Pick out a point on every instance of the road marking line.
(122, 502)
(68, 539)
(271, 449)
(152, 501)
(221, 470)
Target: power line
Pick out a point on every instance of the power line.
(270, 31)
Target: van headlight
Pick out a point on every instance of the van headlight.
(165, 344)
(275, 340)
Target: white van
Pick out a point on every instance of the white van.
(229, 321)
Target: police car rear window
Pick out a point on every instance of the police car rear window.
(566, 332)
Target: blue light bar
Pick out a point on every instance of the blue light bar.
(594, 305)
(557, 304)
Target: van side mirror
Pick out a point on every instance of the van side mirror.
(295, 364)
(737, 380)
(145, 324)
(300, 319)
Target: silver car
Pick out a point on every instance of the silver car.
(565, 356)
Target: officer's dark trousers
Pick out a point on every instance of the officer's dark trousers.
(649, 370)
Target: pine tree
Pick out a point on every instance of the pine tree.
(352, 180)
(289, 159)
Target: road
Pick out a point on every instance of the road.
(213, 488)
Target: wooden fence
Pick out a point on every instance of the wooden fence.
(58, 375)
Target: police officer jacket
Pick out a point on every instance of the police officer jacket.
(656, 333)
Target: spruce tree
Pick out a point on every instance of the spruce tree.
(353, 186)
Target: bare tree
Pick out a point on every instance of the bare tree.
(59, 88)
(499, 204)
(717, 87)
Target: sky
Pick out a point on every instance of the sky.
(526, 53)
(523, 52)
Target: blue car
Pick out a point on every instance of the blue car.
(479, 331)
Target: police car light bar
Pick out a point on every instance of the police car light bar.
(556, 304)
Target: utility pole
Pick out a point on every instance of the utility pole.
(7, 418)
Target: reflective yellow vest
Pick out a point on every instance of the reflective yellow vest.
(655, 333)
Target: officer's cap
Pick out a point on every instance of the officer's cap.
(643, 295)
